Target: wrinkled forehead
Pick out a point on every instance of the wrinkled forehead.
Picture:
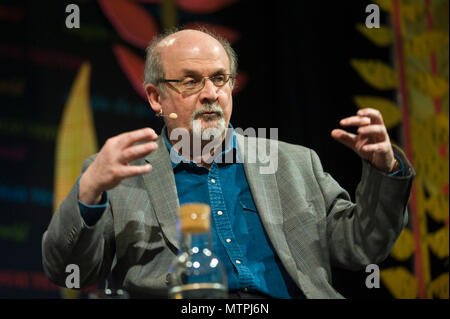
(192, 49)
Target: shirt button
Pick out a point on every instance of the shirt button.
(238, 261)
(228, 240)
(219, 213)
(213, 180)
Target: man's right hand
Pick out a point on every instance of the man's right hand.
(110, 166)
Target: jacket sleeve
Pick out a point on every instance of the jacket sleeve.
(68, 240)
(365, 232)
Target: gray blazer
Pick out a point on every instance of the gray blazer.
(308, 217)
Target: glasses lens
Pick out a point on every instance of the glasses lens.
(220, 80)
(190, 85)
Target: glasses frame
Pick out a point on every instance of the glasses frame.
(186, 93)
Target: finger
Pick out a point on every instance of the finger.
(137, 151)
(129, 138)
(355, 121)
(346, 138)
(373, 132)
(135, 170)
(359, 147)
(382, 147)
(374, 115)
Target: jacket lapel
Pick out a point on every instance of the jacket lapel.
(264, 189)
(162, 190)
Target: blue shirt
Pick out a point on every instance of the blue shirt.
(239, 239)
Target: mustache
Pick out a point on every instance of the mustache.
(208, 108)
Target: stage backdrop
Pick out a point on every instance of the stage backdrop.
(303, 66)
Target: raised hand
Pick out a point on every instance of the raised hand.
(111, 165)
(371, 142)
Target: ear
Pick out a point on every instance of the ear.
(153, 97)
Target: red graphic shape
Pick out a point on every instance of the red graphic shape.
(443, 150)
(133, 66)
(204, 6)
(149, 1)
(241, 81)
(228, 34)
(132, 22)
(13, 14)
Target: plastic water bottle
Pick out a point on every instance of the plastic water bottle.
(197, 272)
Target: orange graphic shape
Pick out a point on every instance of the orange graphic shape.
(204, 6)
(132, 22)
(229, 34)
(132, 65)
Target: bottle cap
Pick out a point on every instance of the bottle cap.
(194, 218)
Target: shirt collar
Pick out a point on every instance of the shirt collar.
(230, 146)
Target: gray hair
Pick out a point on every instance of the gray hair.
(154, 70)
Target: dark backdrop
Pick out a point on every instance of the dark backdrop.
(296, 55)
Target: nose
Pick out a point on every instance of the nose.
(209, 92)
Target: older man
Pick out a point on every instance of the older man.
(277, 234)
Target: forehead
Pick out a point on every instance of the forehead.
(193, 50)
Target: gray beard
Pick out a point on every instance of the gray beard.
(217, 131)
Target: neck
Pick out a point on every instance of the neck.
(198, 150)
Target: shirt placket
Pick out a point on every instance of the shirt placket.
(222, 223)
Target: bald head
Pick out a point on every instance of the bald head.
(187, 38)
(192, 45)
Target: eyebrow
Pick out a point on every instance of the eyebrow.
(196, 73)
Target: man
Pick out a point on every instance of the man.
(277, 233)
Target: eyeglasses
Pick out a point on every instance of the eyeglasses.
(190, 85)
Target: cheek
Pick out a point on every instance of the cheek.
(184, 109)
(173, 104)
(227, 104)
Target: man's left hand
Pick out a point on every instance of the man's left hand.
(371, 142)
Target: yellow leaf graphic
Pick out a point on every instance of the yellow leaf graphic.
(421, 105)
(410, 11)
(438, 288)
(404, 247)
(437, 204)
(76, 138)
(376, 73)
(432, 85)
(389, 110)
(416, 65)
(445, 104)
(400, 282)
(76, 141)
(438, 242)
(429, 137)
(385, 5)
(442, 61)
(429, 41)
(381, 36)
